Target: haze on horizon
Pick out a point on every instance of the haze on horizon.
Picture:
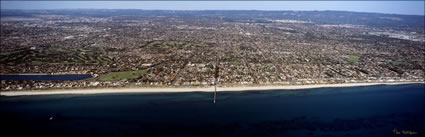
(389, 7)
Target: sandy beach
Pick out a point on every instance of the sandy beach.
(173, 90)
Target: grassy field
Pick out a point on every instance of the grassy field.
(123, 75)
(353, 59)
(396, 63)
(235, 63)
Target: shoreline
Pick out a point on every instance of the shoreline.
(194, 89)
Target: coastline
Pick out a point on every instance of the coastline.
(194, 89)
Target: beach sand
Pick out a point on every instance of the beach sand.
(194, 89)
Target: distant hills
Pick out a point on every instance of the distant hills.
(318, 17)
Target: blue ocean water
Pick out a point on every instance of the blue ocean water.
(351, 111)
(46, 77)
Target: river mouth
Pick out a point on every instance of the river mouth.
(350, 111)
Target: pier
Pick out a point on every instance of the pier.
(216, 74)
(215, 94)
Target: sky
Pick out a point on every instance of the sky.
(391, 7)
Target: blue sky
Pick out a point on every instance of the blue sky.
(396, 7)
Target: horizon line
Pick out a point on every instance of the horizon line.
(217, 10)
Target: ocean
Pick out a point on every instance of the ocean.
(381, 110)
